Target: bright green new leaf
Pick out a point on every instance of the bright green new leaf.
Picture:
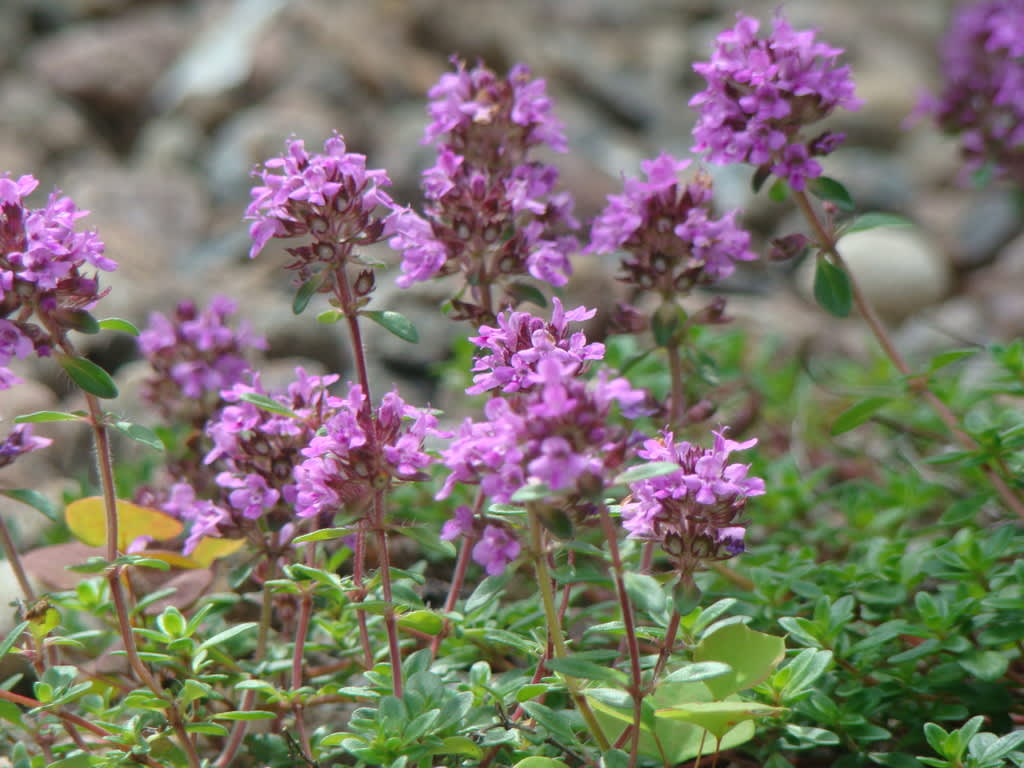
(752, 656)
(119, 324)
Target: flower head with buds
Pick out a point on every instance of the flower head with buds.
(331, 200)
(550, 426)
(42, 263)
(668, 231)
(762, 92)
(492, 213)
(359, 452)
(258, 439)
(983, 97)
(194, 356)
(696, 511)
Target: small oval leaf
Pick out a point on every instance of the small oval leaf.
(88, 376)
(306, 292)
(41, 417)
(830, 190)
(140, 434)
(267, 404)
(395, 323)
(832, 289)
(876, 219)
(857, 414)
(119, 324)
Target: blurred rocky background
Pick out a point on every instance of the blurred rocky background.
(152, 114)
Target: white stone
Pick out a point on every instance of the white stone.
(899, 270)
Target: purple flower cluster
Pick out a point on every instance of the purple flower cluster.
(495, 546)
(254, 452)
(359, 452)
(983, 97)
(762, 91)
(41, 263)
(331, 200)
(491, 212)
(20, 441)
(512, 350)
(549, 428)
(694, 512)
(671, 239)
(194, 356)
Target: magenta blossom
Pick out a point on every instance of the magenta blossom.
(671, 238)
(694, 512)
(763, 91)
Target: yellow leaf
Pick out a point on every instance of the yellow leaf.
(209, 549)
(87, 520)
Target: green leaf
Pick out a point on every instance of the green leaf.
(806, 667)
(208, 729)
(752, 656)
(306, 292)
(832, 289)
(423, 621)
(396, 323)
(459, 745)
(718, 717)
(119, 324)
(324, 534)
(877, 219)
(140, 434)
(43, 417)
(227, 634)
(540, 762)
(858, 413)
(12, 638)
(646, 594)
(35, 500)
(487, 592)
(531, 691)
(702, 670)
(249, 714)
(778, 191)
(88, 376)
(986, 665)
(894, 759)
(761, 174)
(950, 357)
(267, 404)
(586, 670)
(329, 316)
(825, 188)
(525, 292)
(80, 320)
(647, 471)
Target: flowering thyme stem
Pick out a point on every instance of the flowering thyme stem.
(106, 472)
(458, 578)
(540, 566)
(919, 384)
(249, 698)
(635, 689)
(11, 553)
(675, 367)
(384, 563)
(301, 632)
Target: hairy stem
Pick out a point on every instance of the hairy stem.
(384, 563)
